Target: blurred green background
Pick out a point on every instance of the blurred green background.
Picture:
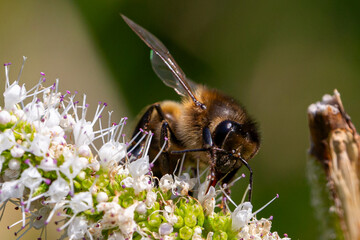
(276, 57)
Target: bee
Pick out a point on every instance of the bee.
(207, 125)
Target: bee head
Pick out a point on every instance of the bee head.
(234, 137)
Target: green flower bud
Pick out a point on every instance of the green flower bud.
(155, 220)
(141, 196)
(197, 209)
(221, 235)
(185, 233)
(190, 220)
(137, 236)
(41, 189)
(103, 182)
(154, 208)
(140, 217)
(87, 183)
(127, 201)
(143, 224)
(223, 222)
(200, 219)
(77, 185)
(209, 222)
(180, 212)
(179, 223)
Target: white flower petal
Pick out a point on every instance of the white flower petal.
(166, 183)
(13, 95)
(83, 133)
(81, 202)
(11, 189)
(241, 216)
(17, 151)
(40, 145)
(77, 228)
(139, 167)
(7, 140)
(112, 151)
(34, 111)
(31, 178)
(58, 190)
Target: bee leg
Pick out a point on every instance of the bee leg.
(164, 136)
(213, 176)
(231, 175)
(250, 177)
(208, 144)
(144, 125)
(167, 139)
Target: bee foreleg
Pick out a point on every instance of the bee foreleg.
(143, 124)
(164, 136)
(144, 120)
(250, 177)
(167, 138)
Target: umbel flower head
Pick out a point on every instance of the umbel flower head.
(50, 165)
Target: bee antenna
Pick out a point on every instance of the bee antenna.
(201, 105)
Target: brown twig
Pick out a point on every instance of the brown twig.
(335, 144)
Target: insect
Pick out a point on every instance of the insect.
(207, 125)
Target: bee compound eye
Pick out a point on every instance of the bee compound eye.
(222, 130)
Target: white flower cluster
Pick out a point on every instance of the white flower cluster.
(49, 163)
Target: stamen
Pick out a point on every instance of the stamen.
(109, 122)
(181, 164)
(267, 204)
(21, 69)
(141, 139)
(133, 139)
(147, 145)
(161, 150)
(227, 196)
(234, 181)
(101, 130)
(245, 193)
(67, 223)
(198, 171)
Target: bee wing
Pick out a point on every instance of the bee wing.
(164, 64)
(167, 76)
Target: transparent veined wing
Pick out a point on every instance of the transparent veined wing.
(167, 76)
(163, 63)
